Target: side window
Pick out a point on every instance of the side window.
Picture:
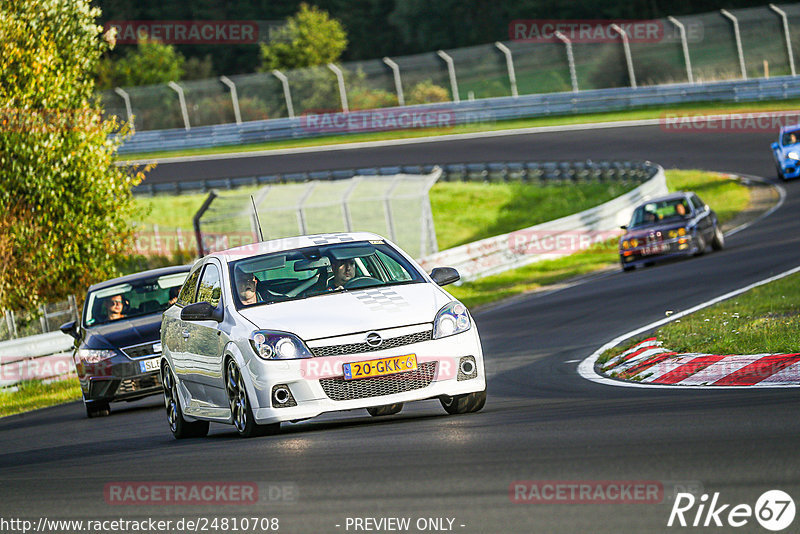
(210, 287)
(186, 296)
(697, 203)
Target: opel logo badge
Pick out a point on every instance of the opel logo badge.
(374, 339)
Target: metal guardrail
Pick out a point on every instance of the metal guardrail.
(533, 172)
(551, 239)
(466, 112)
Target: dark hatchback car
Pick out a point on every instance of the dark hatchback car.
(117, 340)
(671, 226)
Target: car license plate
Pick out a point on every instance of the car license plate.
(147, 366)
(382, 367)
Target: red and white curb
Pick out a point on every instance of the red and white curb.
(648, 362)
(726, 372)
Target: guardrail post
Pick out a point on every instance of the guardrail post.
(128, 110)
(685, 46)
(398, 82)
(512, 76)
(727, 14)
(570, 59)
(627, 48)
(451, 70)
(342, 92)
(785, 20)
(43, 318)
(178, 89)
(234, 97)
(287, 95)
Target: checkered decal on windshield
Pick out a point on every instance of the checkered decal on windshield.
(381, 299)
(326, 239)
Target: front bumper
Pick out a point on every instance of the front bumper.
(317, 386)
(116, 379)
(790, 168)
(665, 250)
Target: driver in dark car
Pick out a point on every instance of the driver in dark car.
(343, 272)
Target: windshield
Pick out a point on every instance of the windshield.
(790, 138)
(658, 212)
(132, 299)
(313, 271)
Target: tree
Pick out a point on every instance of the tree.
(150, 63)
(65, 204)
(310, 38)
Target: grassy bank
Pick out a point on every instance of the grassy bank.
(701, 108)
(491, 209)
(725, 196)
(766, 319)
(35, 394)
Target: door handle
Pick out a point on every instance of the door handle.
(185, 334)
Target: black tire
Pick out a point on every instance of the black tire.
(718, 242)
(96, 408)
(180, 427)
(388, 409)
(701, 245)
(459, 404)
(628, 268)
(241, 412)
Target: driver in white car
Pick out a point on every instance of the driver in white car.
(246, 284)
(343, 272)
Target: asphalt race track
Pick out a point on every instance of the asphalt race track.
(542, 421)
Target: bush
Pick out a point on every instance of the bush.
(427, 93)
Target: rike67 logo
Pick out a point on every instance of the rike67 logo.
(774, 510)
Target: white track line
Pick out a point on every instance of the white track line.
(586, 367)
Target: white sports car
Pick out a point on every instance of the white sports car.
(288, 329)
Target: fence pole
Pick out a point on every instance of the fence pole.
(727, 14)
(234, 97)
(287, 94)
(128, 110)
(43, 318)
(387, 209)
(342, 91)
(451, 70)
(398, 82)
(178, 89)
(73, 307)
(348, 220)
(301, 217)
(512, 76)
(627, 48)
(570, 59)
(785, 20)
(685, 45)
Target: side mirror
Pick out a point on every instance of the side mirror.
(624, 226)
(202, 311)
(71, 329)
(445, 275)
(774, 146)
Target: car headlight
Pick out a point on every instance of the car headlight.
(95, 355)
(273, 345)
(451, 319)
(681, 231)
(634, 243)
(793, 155)
(626, 245)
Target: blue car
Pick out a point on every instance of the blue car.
(787, 152)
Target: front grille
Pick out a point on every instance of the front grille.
(339, 389)
(390, 343)
(140, 351)
(131, 385)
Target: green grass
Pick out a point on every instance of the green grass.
(725, 196)
(504, 207)
(700, 108)
(765, 319)
(36, 394)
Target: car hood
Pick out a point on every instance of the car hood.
(124, 332)
(346, 312)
